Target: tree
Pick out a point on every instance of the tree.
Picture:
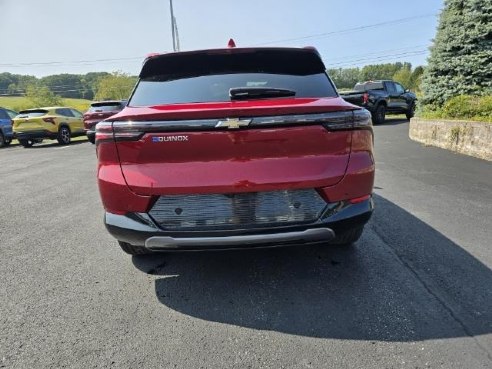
(461, 57)
(117, 86)
(90, 82)
(382, 71)
(404, 76)
(42, 96)
(416, 79)
(344, 77)
(65, 85)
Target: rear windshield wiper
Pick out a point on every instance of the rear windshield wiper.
(239, 93)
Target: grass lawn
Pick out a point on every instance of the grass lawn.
(19, 102)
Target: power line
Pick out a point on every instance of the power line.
(348, 30)
(378, 58)
(313, 36)
(350, 57)
(68, 62)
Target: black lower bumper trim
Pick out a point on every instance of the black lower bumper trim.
(139, 230)
(33, 135)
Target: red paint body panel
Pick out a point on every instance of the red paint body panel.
(236, 161)
(359, 178)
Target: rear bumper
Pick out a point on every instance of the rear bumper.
(32, 135)
(139, 229)
(91, 135)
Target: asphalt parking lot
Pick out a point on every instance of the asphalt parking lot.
(415, 292)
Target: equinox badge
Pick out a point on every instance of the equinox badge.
(169, 138)
(233, 123)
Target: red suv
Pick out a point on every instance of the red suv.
(97, 112)
(235, 148)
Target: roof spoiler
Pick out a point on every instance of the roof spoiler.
(293, 61)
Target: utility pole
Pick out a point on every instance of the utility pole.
(178, 48)
(173, 25)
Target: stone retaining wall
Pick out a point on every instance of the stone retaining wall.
(465, 137)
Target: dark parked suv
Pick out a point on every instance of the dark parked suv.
(235, 148)
(99, 111)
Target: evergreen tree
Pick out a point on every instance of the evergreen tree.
(461, 57)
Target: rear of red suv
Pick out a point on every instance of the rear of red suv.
(235, 148)
(97, 112)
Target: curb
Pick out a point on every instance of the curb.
(464, 137)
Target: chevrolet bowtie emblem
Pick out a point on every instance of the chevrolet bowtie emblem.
(233, 123)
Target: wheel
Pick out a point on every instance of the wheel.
(133, 250)
(379, 115)
(26, 143)
(91, 139)
(64, 136)
(2, 140)
(7, 142)
(411, 111)
(349, 237)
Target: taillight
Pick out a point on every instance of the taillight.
(49, 120)
(104, 132)
(342, 120)
(365, 98)
(356, 119)
(362, 119)
(129, 131)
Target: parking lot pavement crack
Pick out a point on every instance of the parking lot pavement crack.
(429, 290)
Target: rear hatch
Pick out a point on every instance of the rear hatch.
(229, 121)
(99, 111)
(33, 120)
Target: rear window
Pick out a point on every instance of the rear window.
(172, 89)
(101, 108)
(11, 113)
(369, 86)
(33, 113)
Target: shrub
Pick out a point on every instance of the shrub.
(468, 107)
(462, 107)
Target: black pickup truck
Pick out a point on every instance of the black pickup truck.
(381, 98)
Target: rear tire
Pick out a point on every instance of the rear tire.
(133, 250)
(379, 115)
(349, 237)
(64, 136)
(26, 143)
(411, 111)
(91, 139)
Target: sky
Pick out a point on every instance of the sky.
(43, 37)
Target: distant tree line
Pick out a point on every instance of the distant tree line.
(346, 78)
(100, 85)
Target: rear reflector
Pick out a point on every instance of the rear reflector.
(358, 200)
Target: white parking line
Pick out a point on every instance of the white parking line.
(61, 147)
